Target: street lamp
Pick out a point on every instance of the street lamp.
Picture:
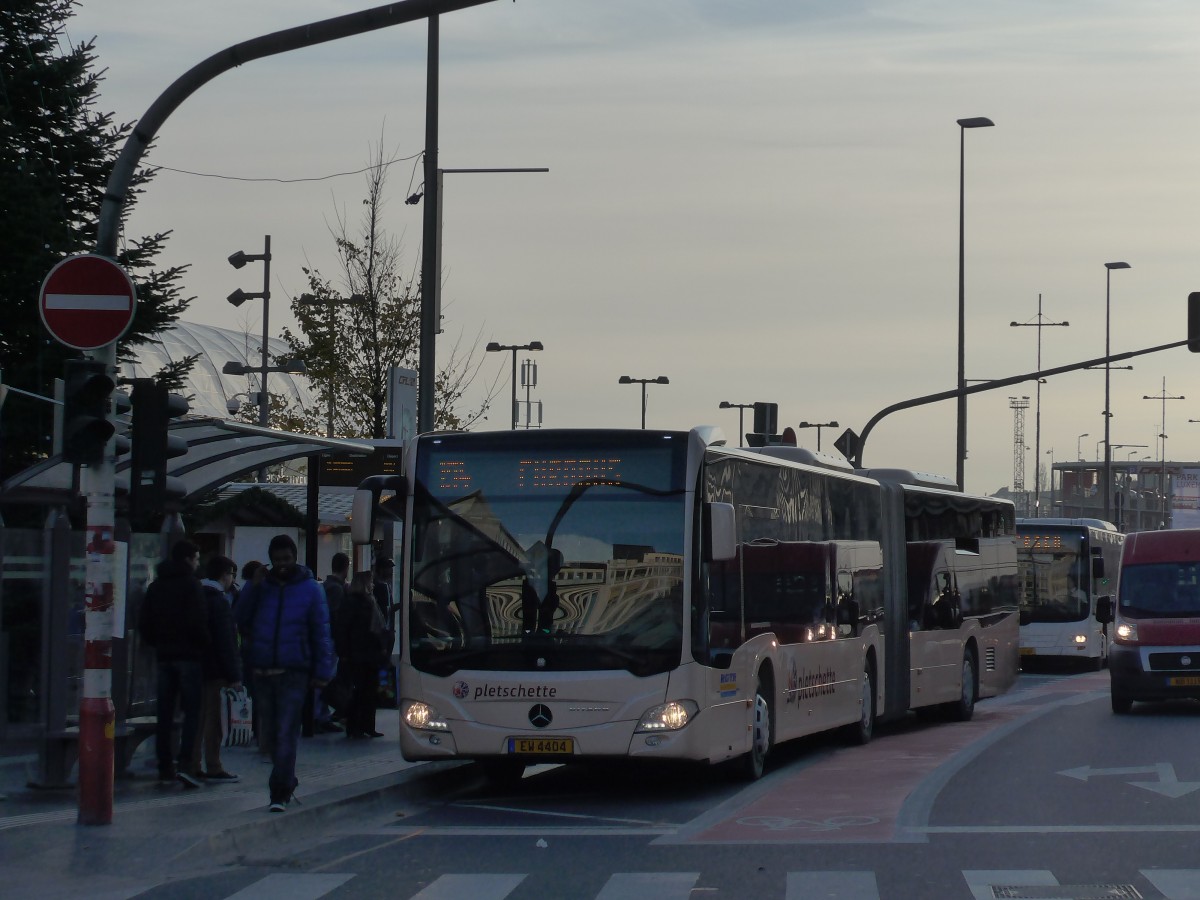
(431, 247)
(288, 366)
(330, 302)
(1078, 448)
(1108, 267)
(238, 260)
(493, 347)
(661, 379)
(741, 408)
(1164, 397)
(961, 454)
(818, 426)
(1037, 415)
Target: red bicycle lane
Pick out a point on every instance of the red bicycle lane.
(856, 794)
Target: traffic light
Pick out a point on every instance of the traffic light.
(1193, 334)
(86, 426)
(153, 409)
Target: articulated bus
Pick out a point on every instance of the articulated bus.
(570, 595)
(1067, 566)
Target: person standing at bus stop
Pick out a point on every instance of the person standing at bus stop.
(174, 621)
(285, 620)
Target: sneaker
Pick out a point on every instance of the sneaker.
(278, 806)
(221, 777)
(188, 779)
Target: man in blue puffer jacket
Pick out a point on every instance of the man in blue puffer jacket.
(284, 621)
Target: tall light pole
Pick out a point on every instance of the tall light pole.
(1162, 480)
(493, 347)
(1108, 270)
(1078, 447)
(330, 302)
(431, 241)
(661, 379)
(961, 453)
(238, 297)
(741, 408)
(818, 426)
(1037, 414)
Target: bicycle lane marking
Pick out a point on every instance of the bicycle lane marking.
(859, 794)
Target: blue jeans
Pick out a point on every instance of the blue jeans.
(280, 702)
(179, 680)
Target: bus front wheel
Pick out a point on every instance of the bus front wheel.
(760, 740)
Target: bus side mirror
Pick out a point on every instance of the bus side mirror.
(1104, 610)
(362, 517)
(722, 531)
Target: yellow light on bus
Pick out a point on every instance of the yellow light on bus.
(423, 716)
(668, 716)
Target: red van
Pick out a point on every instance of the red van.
(1155, 653)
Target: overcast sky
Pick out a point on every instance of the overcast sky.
(755, 198)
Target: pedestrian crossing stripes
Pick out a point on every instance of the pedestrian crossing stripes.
(978, 884)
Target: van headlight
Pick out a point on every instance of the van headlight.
(423, 717)
(1127, 633)
(668, 716)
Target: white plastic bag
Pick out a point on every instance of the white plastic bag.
(237, 718)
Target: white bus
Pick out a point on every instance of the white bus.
(1067, 566)
(587, 594)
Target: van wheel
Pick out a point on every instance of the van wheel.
(760, 744)
(1121, 705)
(863, 730)
(963, 708)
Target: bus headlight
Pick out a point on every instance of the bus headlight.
(668, 716)
(1127, 633)
(1081, 638)
(423, 716)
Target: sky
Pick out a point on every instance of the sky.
(756, 199)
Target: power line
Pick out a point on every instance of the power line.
(284, 180)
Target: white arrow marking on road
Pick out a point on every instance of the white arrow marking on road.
(1168, 783)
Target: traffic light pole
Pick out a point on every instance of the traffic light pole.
(97, 715)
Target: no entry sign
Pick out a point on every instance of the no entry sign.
(86, 302)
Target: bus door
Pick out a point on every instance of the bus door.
(935, 617)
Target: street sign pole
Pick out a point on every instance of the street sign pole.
(97, 715)
(87, 302)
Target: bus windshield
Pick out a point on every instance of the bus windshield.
(557, 558)
(1161, 590)
(1053, 578)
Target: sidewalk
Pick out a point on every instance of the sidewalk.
(164, 832)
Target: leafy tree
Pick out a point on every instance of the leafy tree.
(367, 321)
(56, 153)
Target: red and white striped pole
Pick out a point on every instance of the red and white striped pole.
(97, 716)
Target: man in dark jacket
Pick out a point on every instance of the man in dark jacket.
(284, 620)
(335, 590)
(222, 668)
(173, 620)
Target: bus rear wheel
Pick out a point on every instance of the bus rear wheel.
(754, 762)
(863, 730)
(963, 708)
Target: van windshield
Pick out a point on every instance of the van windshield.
(1160, 590)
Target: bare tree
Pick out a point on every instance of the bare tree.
(365, 322)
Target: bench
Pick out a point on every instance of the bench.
(59, 751)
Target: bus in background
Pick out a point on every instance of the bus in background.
(1156, 627)
(588, 594)
(1067, 566)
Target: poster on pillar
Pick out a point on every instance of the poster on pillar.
(1185, 499)
(402, 403)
